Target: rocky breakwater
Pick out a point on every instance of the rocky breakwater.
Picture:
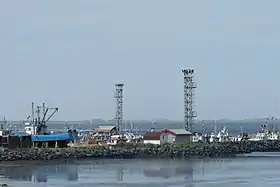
(128, 150)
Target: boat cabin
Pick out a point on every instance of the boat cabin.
(5, 132)
(31, 129)
(115, 139)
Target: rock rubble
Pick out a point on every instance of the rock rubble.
(127, 150)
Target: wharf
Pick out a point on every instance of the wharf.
(55, 140)
(35, 132)
(21, 140)
(16, 142)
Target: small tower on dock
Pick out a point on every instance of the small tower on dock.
(189, 88)
(119, 107)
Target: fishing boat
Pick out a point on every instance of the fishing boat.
(264, 134)
(115, 139)
(222, 136)
(197, 137)
(36, 126)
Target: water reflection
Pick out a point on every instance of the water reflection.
(40, 174)
(142, 173)
(184, 171)
(120, 174)
(169, 172)
(130, 173)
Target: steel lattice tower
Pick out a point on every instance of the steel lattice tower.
(189, 87)
(119, 106)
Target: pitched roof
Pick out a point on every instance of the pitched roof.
(105, 128)
(152, 136)
(177, 131)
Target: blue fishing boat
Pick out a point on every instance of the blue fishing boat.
(52, 137)
(37, 128)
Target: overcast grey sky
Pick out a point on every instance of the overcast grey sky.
(70, 53)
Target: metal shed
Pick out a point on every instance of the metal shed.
(175, 136)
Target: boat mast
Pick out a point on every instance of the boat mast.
(215, 127)
(5, 123)
(44, 109)
(2, 125)
(41, 118)
(33, 118)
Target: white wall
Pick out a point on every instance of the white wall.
(152, 142)
(167, 138)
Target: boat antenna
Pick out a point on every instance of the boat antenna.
(33, 118)
(2, 125)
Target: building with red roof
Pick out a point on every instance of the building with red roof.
(175, 136)
(167, 136)
(152, 137)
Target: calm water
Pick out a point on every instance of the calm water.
(257, 170)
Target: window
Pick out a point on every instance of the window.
(163, 136)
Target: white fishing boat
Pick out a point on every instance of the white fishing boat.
(197, 137)
(259, 137)
(264, 134)
(240, 137)
(126, 137)
(115, 139)
(222, 136)
(273, 136)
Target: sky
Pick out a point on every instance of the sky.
(70, 54)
